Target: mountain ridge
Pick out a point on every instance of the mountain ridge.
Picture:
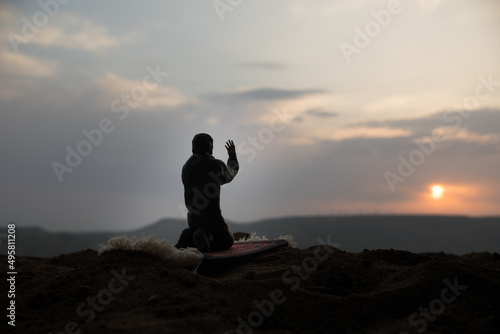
(415, 233)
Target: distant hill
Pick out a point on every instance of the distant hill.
(35, 241)
(450, 234)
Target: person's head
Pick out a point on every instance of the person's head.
(202, 144)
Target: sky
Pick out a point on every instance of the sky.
(335, 107)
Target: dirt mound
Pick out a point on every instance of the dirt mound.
(316, 290)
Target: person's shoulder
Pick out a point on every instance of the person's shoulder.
(204, 160)
(213, 162)
(190, 159)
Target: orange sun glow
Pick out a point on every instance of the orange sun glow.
(437, 191)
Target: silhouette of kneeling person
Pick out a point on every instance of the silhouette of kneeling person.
(202, 176)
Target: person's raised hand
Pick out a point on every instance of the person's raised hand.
(231, 149)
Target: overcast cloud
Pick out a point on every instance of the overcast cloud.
(315, 134)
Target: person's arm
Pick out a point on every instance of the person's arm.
(226, 174)
(232, 161)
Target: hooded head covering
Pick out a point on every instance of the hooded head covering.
(202, 142)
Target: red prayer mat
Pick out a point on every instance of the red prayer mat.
(243, 249)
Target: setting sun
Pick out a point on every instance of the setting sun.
(437, 192)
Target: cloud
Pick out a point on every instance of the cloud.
(449, 133)
(18, 71)
(430, 5)
(315, 112)
(62, 30)
(154, 95)
(479, 122)
(12, 64)
(72, 32)
(360, 132)
(262, 94)
(318, 112)
(264, 65)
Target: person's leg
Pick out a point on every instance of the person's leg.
(203, 239)
(222, 237)
(210, 232)
(186, 239)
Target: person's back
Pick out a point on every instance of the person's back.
(202, 176)
(202, 184)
